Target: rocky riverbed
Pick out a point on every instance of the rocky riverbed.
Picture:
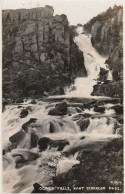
(62, 144)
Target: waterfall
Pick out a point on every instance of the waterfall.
(93, 62)
(25, 165)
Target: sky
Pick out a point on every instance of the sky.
(77, 11)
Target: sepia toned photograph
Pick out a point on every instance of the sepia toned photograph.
(62, 96)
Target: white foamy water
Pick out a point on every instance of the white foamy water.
(93, 62)
(50, 163)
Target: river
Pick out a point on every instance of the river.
(25, 165)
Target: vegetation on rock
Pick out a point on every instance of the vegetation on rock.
(39, 54)
(107, 37)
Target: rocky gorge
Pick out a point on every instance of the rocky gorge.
(57, 141)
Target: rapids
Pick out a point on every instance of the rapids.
(25, 165)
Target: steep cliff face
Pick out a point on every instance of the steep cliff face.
(107, 37)
(106, 29)
(39, 54)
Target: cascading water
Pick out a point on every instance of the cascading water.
(93, 62)
(25, 164)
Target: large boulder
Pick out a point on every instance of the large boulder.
(24, 113)
(27, 124)
(46, 142)
(31, 139)
(43, 143)
(83, 124)
(99, 109)
(17, 137)
(59, 110)
(59, 144)
(78, 110)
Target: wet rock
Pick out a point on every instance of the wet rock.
(81, 116)
(99, 109)
(118, 109)
(75, 105)
(17, 137)
(24, 113)
(99, 82)
(83, 123)
(19, 106)
(59, 110)
(34, 140)
(82, 137)
(27, 124)
(33, 101)
(11, 146)
(78, 110)
(46, 142)
(87, 115)
(59, 144)
(43, 143)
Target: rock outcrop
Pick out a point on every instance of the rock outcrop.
(39, 54)
(107, 37)
(46, 142)
(96, 164)
(59, 110)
